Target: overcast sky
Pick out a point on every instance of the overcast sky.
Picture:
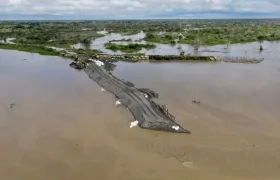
(138, 9)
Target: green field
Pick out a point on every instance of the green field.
(33, 49)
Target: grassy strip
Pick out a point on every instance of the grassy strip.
(88, 51)
(134, 54)
(176, 57)
(29, 48)
(128, 48)
(210, 42)
(120, 40)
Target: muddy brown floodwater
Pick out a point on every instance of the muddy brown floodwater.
(62, 127)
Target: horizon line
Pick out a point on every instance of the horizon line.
(136, 19)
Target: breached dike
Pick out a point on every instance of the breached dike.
(147, 114)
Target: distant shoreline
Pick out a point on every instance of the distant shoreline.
(53, 51)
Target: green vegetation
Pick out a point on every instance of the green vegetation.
(133, 54)
(130, 32)
(212, 32)
(182, 57)
(33, 49)
(194, 32)
(129, 48)
(121, 40)
(213, 36)
(48, 33)
(166, 38)
(87, 51)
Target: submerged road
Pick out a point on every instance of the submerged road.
(146, 112)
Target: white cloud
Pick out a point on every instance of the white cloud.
(258, 6)
(132, 8)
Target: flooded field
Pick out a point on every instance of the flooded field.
(63, 127)
(244, 49)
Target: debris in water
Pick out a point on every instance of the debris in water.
(99, 63)
(133, 124)
(176, 128)
(12, 105)
(76, 65)
(118, 103)
(149, 92)
(188, 164)
(195, 102)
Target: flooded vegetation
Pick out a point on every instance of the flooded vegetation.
(133, 47)
(180, 35)
(56, 123)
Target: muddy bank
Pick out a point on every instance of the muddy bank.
(155, 57)
(135, 58)
(147, 113)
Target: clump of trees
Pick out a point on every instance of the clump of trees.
(193, 32)
(261, 39)
(129, 48)
(196, 43)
